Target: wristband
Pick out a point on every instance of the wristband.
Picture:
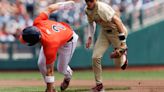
(122, 37)
(49, 79)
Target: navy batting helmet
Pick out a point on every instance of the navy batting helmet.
(31, 35)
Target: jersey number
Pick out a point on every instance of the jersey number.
(58, 28)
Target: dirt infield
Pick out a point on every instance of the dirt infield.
(130, 85)
(110, 85)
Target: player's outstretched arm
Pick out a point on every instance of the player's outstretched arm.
(57, 6)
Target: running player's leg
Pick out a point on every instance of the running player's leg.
(122, 61)
(101, 46)
(120, 51)
(64, 57)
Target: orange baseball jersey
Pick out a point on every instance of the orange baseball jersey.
(53, 35)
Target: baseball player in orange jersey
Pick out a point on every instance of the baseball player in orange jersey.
(55, 37)
(113, 33)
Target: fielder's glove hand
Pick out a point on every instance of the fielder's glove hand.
(117, 53)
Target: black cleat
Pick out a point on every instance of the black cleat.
(64, 85)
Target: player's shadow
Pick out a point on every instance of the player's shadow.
(76, 90)
(89, 90)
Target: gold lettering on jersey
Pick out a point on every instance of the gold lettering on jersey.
(59, 26)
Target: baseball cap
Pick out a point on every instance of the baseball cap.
(31, 35)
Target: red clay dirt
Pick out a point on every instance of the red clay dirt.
(132, 85)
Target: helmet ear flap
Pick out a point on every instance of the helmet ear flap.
(21, 39)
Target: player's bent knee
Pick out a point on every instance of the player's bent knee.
(120, 61)
(61, 70)
(41, 64)
(96, 59)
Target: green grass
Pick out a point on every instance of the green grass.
(87, 75)
(20, 75)
(39, 89)
(134, 75)
(22, 89)
(126, 75)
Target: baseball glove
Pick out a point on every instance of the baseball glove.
(117, 53)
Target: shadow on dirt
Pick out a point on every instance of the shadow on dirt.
(89, 90)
